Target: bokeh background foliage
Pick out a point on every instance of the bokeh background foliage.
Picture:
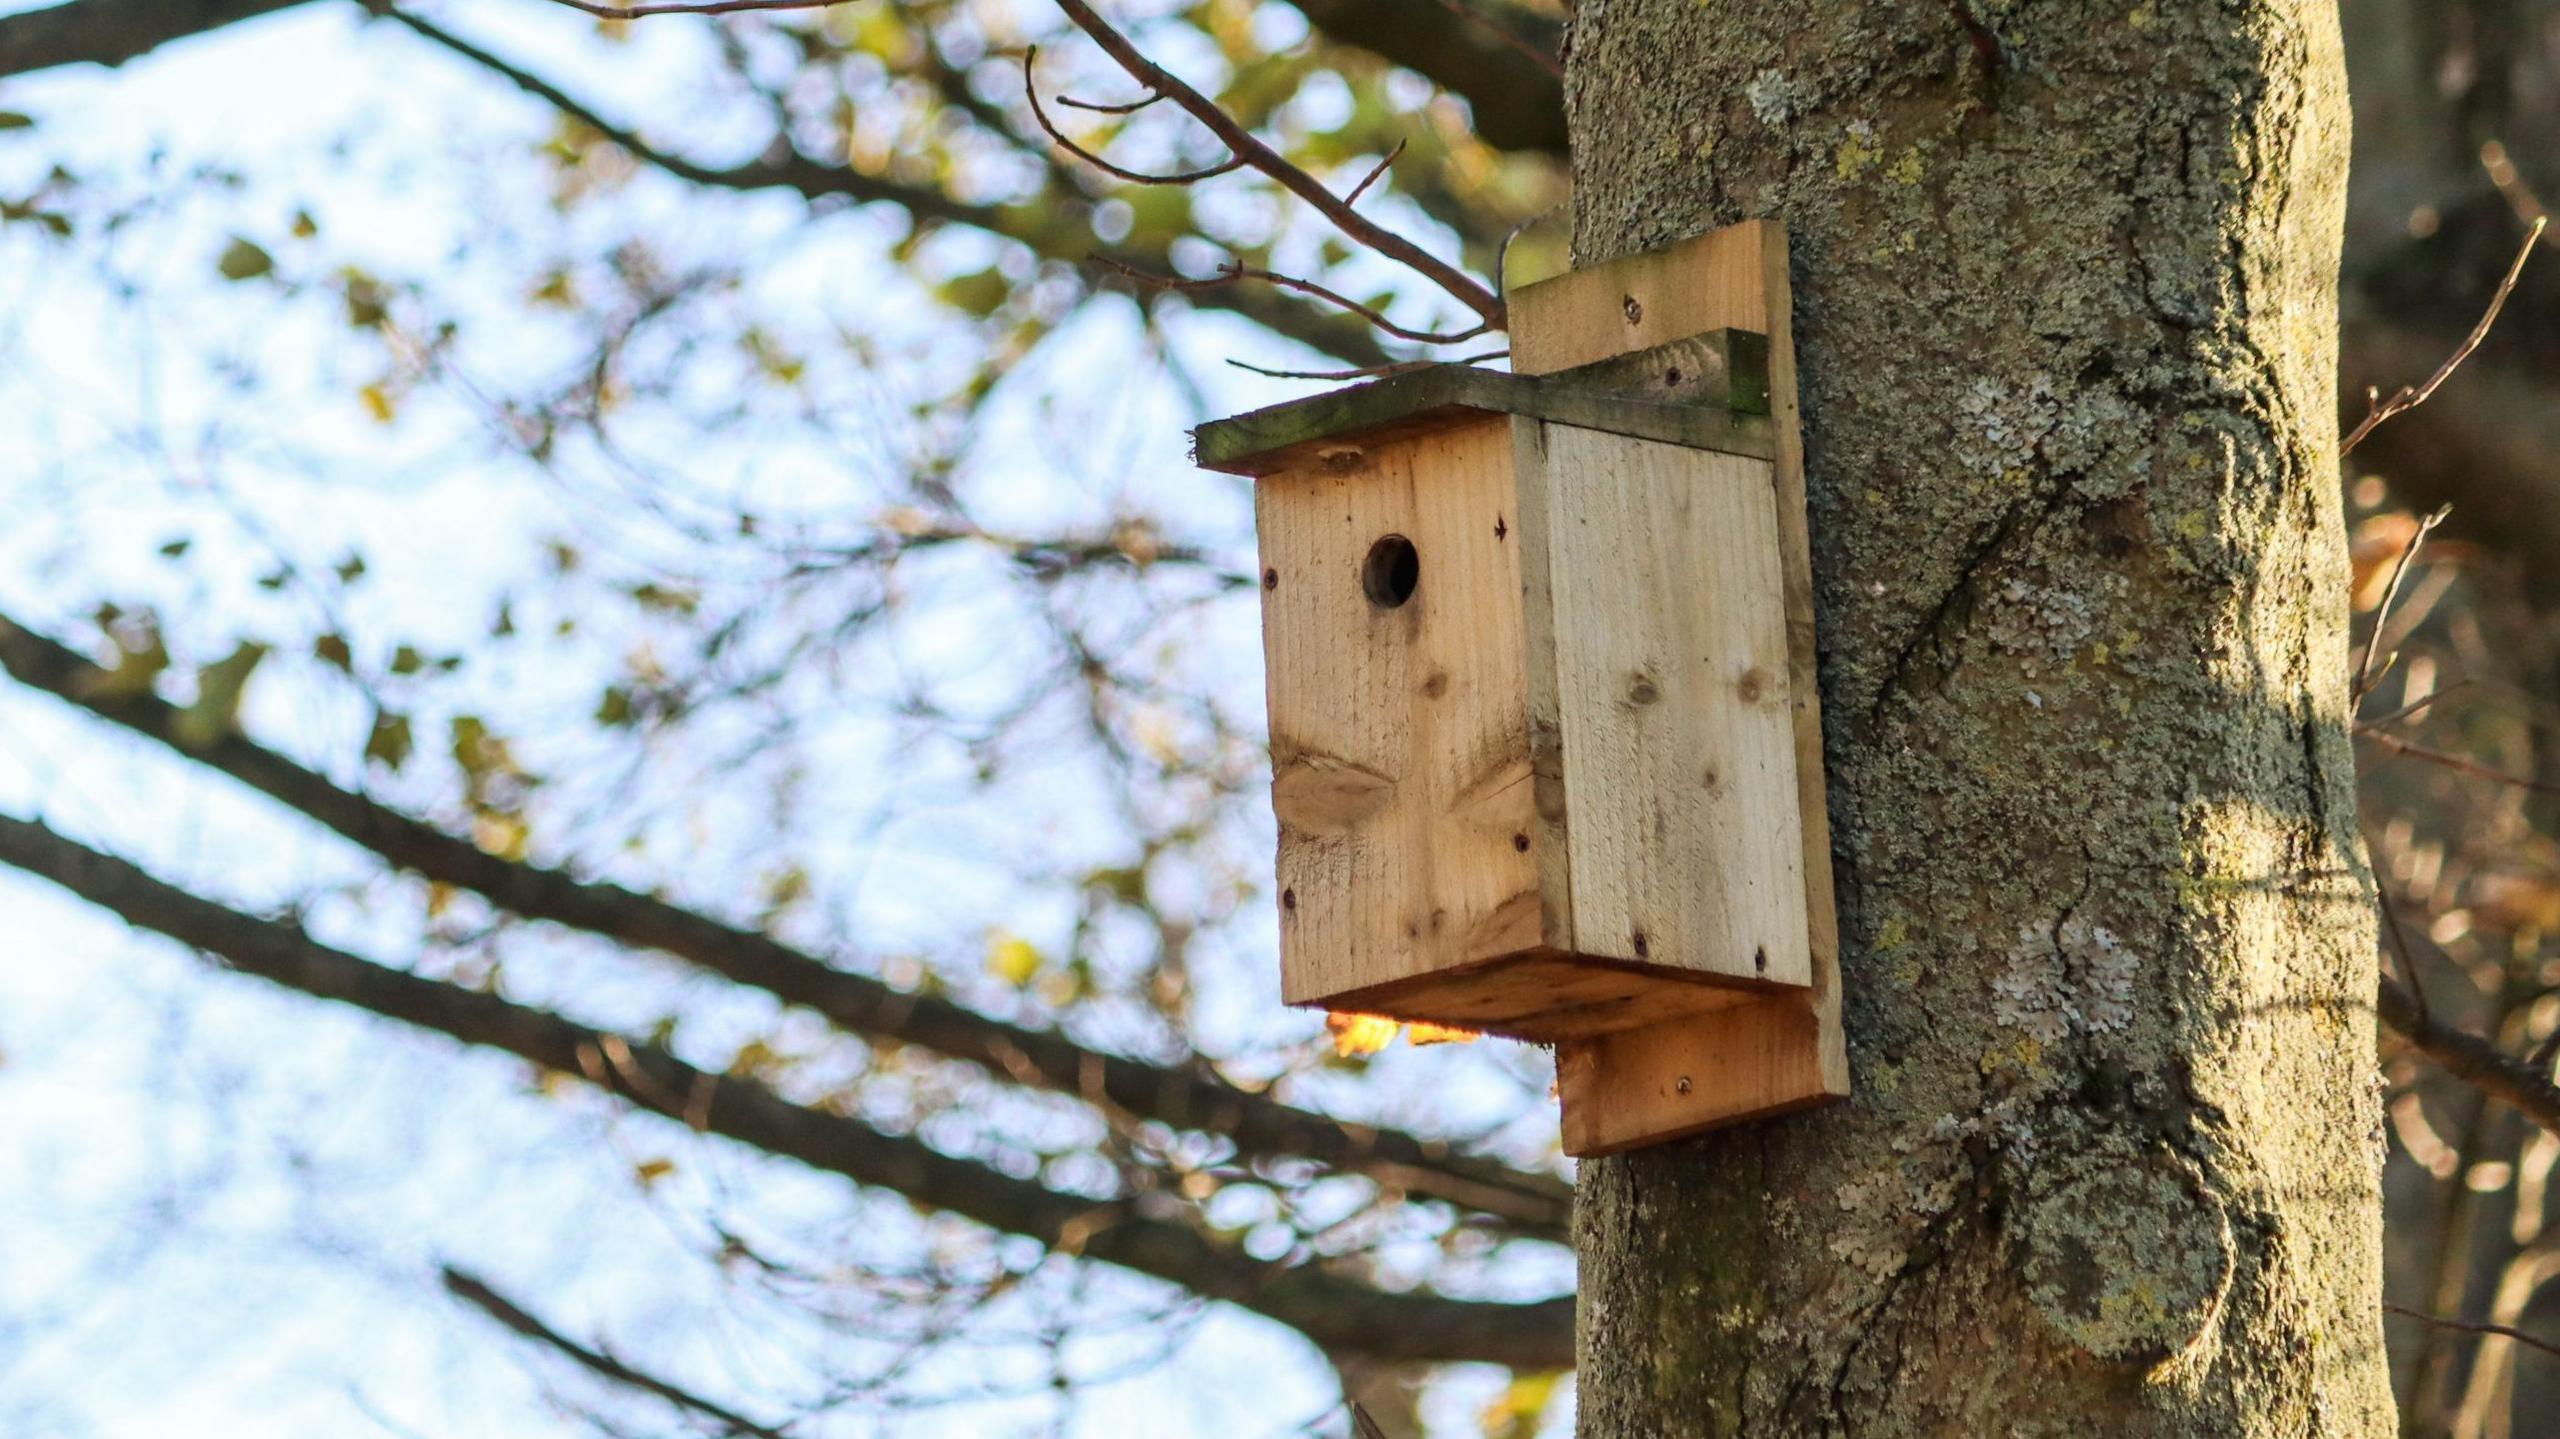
(722, 478)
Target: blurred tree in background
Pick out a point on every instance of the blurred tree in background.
(662, 550)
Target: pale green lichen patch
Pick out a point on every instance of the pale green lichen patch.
(2126, 1257)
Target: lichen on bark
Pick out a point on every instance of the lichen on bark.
(2065, 277)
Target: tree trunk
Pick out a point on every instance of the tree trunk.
(2066, 289)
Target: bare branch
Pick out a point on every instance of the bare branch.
(691, 7)
(2379, 409)
(1185, 1096)
(1242, 143)
(1031, 89)
(2365, 676)
(1033, 225)
(2417, 751)
(2470, 1058)
(2415, 705)
(1130, 107)
(1363, 187)
(1334, 1312)
(1232, 272)
(1477, 21)
(1372, 372)
(111, 32)
(2465, 1326)
(476, 1292)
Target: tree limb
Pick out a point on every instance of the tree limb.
(1186, 1096)
(110, 32)
(1246, 146)
(1518, 102)
(2468, 1057)
(1333, 1312)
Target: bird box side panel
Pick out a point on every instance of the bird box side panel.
(1399, 731)
(1662, 606)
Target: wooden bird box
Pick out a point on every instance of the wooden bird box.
(1540, 676)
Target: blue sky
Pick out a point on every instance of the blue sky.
(221, 1207)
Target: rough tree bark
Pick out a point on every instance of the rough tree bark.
(2066, 287)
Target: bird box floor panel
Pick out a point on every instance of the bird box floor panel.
(1547, 995)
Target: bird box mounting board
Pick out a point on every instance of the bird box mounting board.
(1546, 746)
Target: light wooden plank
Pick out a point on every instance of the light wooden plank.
(1734, 277)
(1660, 602)
(1399, 736)
(1715, 281)
(1690, 1074)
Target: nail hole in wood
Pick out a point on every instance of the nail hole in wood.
(1271, 579)
(1635, 312)
(1520, 842)
(1683, 1085)
(1288, 899)
(1644, 947)
(1391, 572)
(1760, 960)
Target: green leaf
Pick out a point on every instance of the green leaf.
(614, 707)
(332, 650)
(16, 120)
(134, 671)
(407, 661)
(175, 548)
(219, 687)
(668, 599)
(980, 294)
(243, 260)
(390, 741)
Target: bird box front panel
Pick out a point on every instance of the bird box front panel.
(1393, 633)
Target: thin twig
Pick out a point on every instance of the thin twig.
(1233, 272)
(690, 7)
(2414, 750)
(476, 1293)
(1362, 188)
(1371, 372)
(2466, 1326)
(1291, 177)
(2400, 948)
(1502, 252)
(1227, 166)
(1131, 107)
(1490, 26)
(2379, 410)
(2413, 706)
(2365, 676)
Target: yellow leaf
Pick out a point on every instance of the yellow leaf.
(503, 835)
(1514, 1413)
(377, 403)
(650, 1171)
(1420, 1034)
(1355, 1035)
(1012, 958)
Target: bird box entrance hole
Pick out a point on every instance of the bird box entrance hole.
(1546, 751)
(1391, 572)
